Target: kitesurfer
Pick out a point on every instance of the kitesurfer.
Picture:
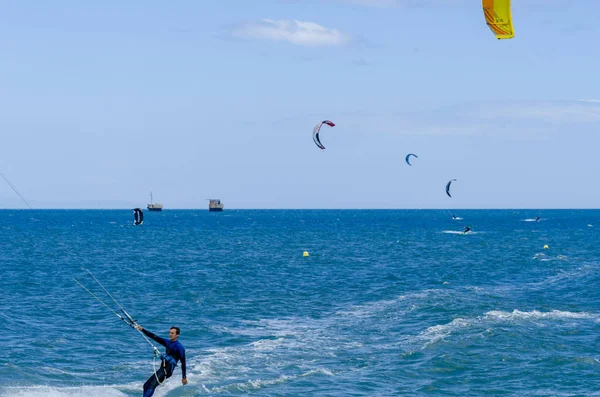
(174, 352)
(467, 229)
(537, 218)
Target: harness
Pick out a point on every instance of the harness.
(168, 359)
(165, 358)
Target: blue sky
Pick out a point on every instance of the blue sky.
(103, 102)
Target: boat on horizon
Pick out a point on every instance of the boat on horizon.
(215, 205)
(154, 206)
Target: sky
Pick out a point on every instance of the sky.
(103, 102)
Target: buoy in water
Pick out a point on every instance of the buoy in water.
(546, 246)
(305, 254)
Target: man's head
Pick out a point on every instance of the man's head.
(174, 333)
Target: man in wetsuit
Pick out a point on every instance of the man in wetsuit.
(174, 352)
(467, 229)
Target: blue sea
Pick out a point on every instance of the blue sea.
(388, 302)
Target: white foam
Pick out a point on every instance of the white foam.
(546, 258)
(459, 232)
(80, 391)
(369, 310)
(280, 341)
(58, 371)
(248, 386)
(267, 344)
(439, 333)
(318, 371)
(537, 315)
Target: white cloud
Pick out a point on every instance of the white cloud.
(296, 32)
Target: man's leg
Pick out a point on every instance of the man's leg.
(152, 383)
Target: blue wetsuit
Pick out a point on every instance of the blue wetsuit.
(174, 352)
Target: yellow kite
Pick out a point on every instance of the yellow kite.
(498, 17)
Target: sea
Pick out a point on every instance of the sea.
(302, 302)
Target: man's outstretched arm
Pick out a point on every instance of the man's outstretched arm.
(151, 335)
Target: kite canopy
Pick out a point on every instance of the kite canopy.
(316, 131)
(407, 159)
(498, 17)
(138, 216)
(448, 187)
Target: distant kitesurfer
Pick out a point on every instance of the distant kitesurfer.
(174, 352)
(537, 218)
(454, 217)
(467, 229)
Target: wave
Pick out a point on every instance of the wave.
(78, 391)
(538, 315)
(438, 333)
(256, 384)
(542, 257)
(248, 386)
(459, 232)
